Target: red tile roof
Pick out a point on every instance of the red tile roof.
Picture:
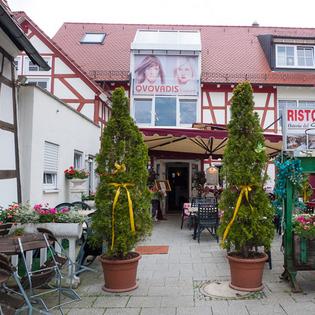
(229, 53)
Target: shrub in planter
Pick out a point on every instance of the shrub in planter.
(122, 199)
(247, 221)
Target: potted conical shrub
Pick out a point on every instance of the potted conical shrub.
(247, 222)
(122, 199)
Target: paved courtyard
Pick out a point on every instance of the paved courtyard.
(170, 284)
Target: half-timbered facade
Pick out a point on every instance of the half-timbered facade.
(279, 63)
(65, 79)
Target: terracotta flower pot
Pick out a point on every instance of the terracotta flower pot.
(246, 274)
(120, 275)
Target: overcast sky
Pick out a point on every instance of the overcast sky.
(50, 14)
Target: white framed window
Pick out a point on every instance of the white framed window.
(291, 56)
(44, 83)
(51, 153)
(93, 38)
(78, 160)
(31, 68)
(165, 111)
(305, 56)
(187, 112)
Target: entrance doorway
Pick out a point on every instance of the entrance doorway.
(178, 176)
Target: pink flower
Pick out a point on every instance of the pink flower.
(53, 211)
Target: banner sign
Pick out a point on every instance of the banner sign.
(298, 125)
(165, 75)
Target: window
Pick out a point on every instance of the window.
(187, 112)
(51, 151)
(305, 56)
(78, 160)
(34, 67)
(143, 111)
(43, 83)
(93, 38)
(165, 111)
(285, 55)
(291, 56)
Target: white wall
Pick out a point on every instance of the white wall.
(53, 121)
(8, 186)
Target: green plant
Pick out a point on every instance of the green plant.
(198, 181)
(88, 197)
(18, 231)
(244, 161)
(71, 172)
(122, 165)
(304, 225)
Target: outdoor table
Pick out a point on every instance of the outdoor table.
(9, 245)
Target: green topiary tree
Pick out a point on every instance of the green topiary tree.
(122, 165)
(243, 170)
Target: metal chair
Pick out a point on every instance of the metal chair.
(81, 205)
(5, 229)
(49, 271)
(14, 300)
(64, 205)
(208, 218)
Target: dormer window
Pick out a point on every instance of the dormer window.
(294, 56)
(93, 38)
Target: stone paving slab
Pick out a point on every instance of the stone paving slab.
(167, 282)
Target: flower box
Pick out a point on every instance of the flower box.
(303, 253)
(77, 184)
(60, 230)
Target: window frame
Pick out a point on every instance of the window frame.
(52, 173)
(26, 64)
(40, 79)
(100, 42)
(81, 159)
(179, 98)
(295, 65)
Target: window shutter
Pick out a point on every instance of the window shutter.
(51, 157)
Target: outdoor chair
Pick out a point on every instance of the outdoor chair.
(81, 205)
(13, 300)
(207, 218)
(64, 205)
(60, 257)
(185, 216)
(5, 229)
(48, 278)
(86, 250)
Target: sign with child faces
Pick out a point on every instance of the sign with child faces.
(165, 75)
(298, 123)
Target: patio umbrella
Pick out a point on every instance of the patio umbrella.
(198, 142)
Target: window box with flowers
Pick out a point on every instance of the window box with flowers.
(64, 223)
(304, 241)
(77, 178)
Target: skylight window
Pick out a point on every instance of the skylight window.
(93, 38)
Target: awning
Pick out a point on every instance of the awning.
(197, 143)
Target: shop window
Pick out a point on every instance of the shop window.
(165, 111)
(143, 111)
(188, 112)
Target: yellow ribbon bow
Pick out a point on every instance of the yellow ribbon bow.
(245, 190)
(120, 168)
(118, 186)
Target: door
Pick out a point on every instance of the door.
(178, 176)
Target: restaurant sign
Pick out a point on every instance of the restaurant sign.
(298, 124)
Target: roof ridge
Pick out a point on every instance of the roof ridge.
(189, 25)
